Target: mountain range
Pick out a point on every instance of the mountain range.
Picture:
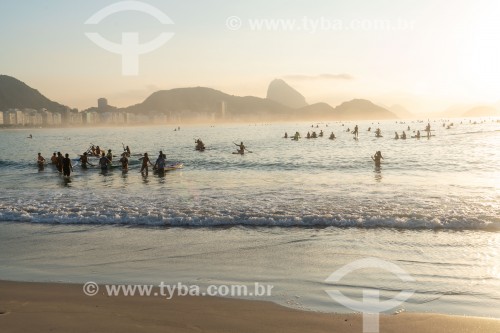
(279, 91)
(282, 103)
(16, 94)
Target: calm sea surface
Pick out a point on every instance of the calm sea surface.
(289, 213)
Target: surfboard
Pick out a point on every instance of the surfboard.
(173, 166)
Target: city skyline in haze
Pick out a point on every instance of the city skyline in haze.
(425, 55)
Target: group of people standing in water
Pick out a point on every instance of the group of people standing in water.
(62, 163)
(377, 157)
(104, 162)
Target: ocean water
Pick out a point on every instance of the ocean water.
(289, 213)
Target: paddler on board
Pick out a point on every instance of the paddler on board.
(241, 147)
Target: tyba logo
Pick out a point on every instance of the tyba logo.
(129, 49)
(371, 306)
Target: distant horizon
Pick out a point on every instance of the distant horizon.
(416, 114)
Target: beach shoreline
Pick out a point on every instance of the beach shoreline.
(60, 307)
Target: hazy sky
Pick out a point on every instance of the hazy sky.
(434, 53)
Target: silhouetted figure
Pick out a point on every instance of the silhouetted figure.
(59, 163)
(67, 166)
(200, 146)
(145, 161)
(104, 162)
(40, 161)
(377, 158)
(428, 130)
(84, 159)
(124, 161)
(241, 147)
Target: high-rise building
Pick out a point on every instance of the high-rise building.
(223, 109)
(9, 117)
(19, 117)
(102, 104)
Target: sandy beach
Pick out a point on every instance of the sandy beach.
(51, 307)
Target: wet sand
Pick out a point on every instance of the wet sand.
(53, 307)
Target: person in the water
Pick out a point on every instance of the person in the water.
(67, 166)
(332, 136)
(53, 159)
(104, 162)
(377, 158)
(145, 161)
(241, 147)
(40, 160)
(428, 130)
(59, 163)
(355, 132)
(199, 145)
(110, 155)
(84, 159)
(124, 161)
